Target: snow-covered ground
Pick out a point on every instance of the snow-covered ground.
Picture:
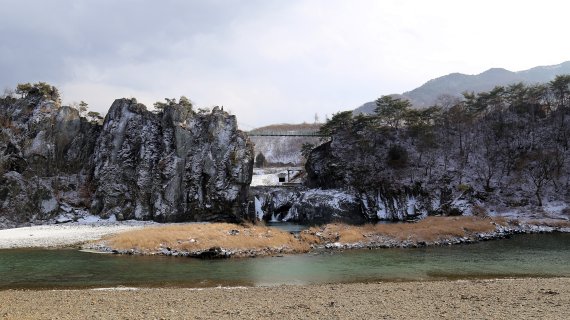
(61, 235)
(550, 210)
(269, 179)
(268, 176)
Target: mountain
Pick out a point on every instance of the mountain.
(456, 83)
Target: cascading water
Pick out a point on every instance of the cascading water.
(274, 218)
(258, 210)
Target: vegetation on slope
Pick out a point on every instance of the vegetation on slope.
(508, 147)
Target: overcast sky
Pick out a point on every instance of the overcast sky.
(269, 61)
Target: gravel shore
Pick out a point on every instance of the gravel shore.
(62, 235)
(532, 298)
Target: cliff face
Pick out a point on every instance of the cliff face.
(170, 166)
(174, 165)
(305, 206)
(44, 158)
(499, 153)
(358, 165)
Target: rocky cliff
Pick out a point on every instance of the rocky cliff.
(45, 152)
(500, 152)
(172, 165)
(360, 165)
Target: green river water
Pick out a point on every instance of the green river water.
(544, 255)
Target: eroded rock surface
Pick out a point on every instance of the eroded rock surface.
(306, 206)
(172, 165)
(45, 152)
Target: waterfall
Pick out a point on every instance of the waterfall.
(411, 208)
(292, 213)
(382, 212)
(274, 218)
(258, 211)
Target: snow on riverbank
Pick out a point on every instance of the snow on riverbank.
(62, 235)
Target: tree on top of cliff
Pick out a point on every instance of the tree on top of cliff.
(183, 101)
(339, 121)
(94, 116)
(83, 107)
(391, 111)
(40, 88)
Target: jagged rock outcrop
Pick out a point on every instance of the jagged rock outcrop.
(172, 165)
(44, 158)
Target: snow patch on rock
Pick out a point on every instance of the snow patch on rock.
(49, 205)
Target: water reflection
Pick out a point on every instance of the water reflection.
(287, 226)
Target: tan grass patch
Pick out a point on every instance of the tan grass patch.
(202, 236)
(429, 229)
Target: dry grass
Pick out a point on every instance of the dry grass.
(554, 223)
(266, 240)
(429, 229)
(202, 236)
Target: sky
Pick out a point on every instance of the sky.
(269, 61)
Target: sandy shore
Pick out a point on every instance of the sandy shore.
(483, 299)
(62, 235)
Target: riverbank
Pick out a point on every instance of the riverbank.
(530, 298)
(222, 240)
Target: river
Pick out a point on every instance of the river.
(536, 255)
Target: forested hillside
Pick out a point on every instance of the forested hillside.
(505, 150)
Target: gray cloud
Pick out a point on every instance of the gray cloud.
(267, 60)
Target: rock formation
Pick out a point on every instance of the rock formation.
(306, 206)
(499, 152)
(171, 165)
